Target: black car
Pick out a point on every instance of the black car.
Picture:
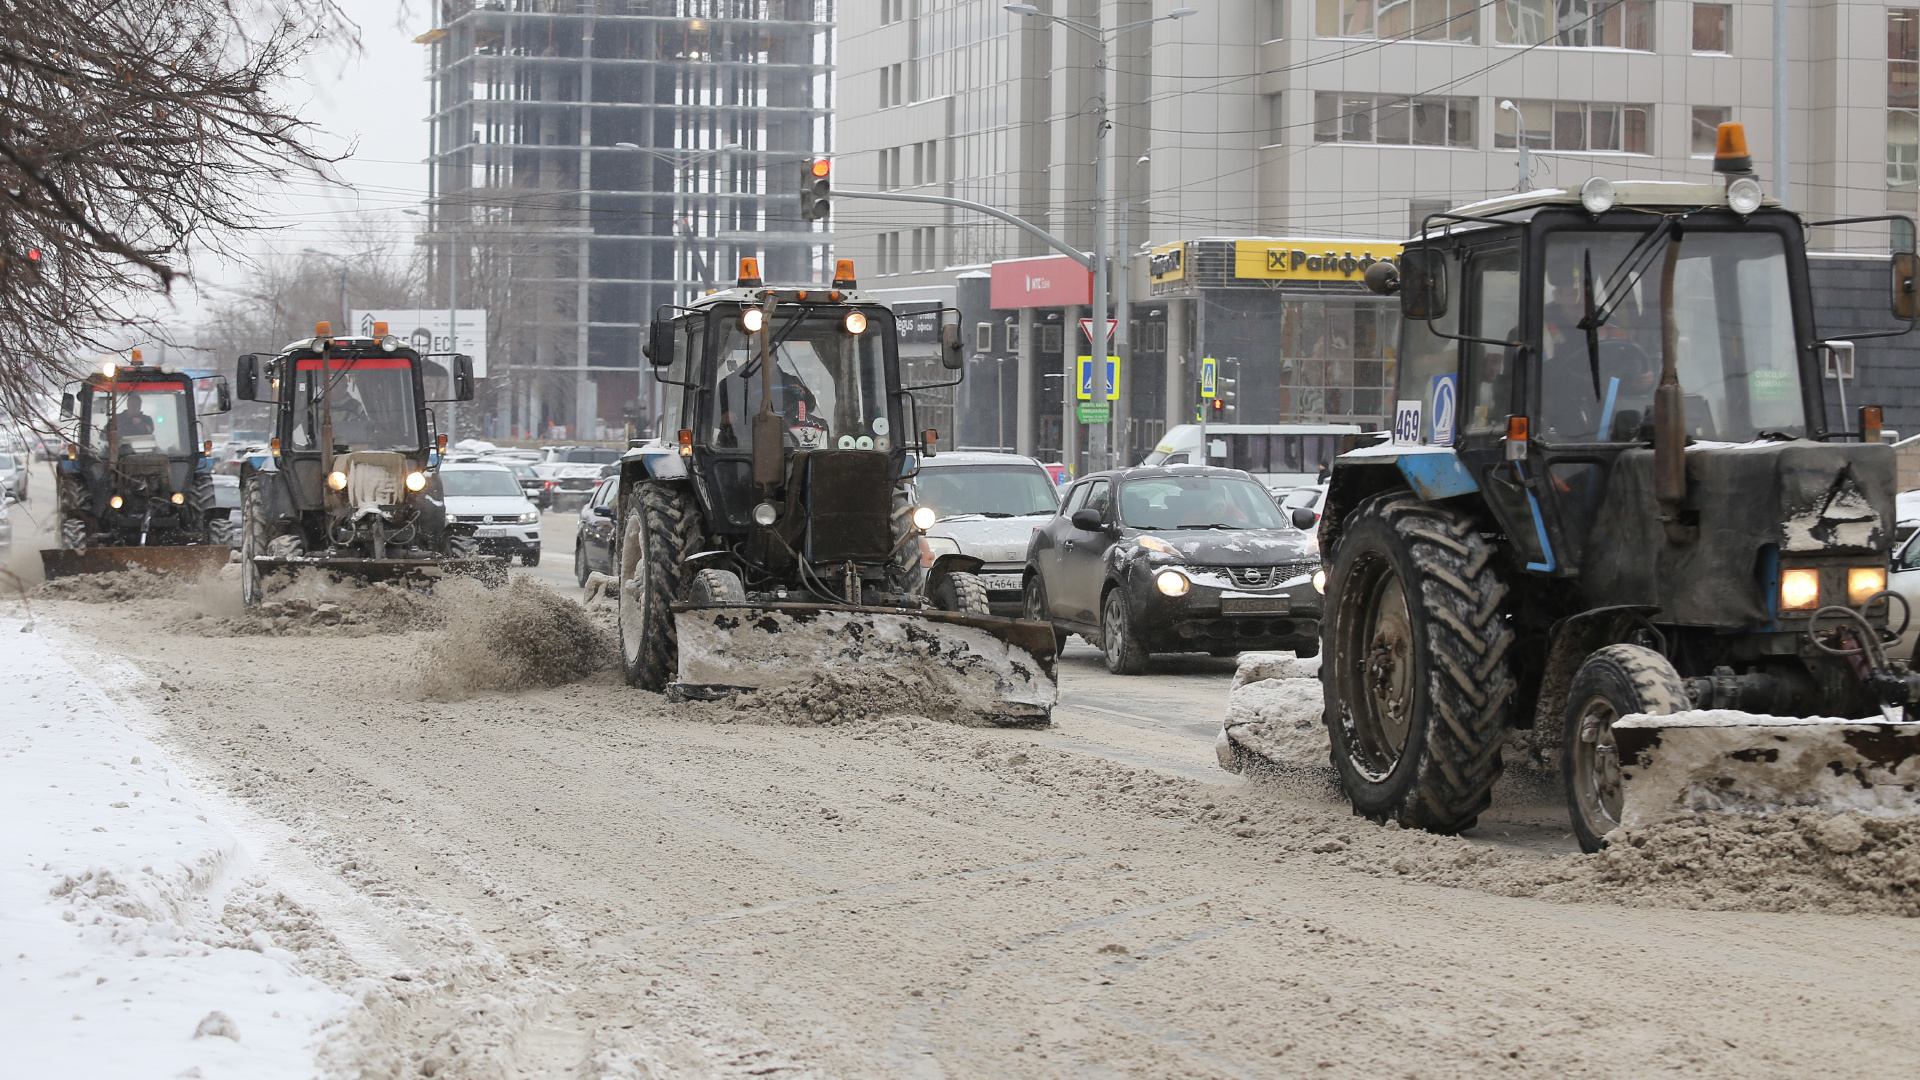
(1185, 558)
(593, 543)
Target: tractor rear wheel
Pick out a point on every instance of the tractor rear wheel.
(962, 593)
(1416, 673)
(1616, 681)
(659, 527)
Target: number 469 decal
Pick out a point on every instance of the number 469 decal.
(1406, 423)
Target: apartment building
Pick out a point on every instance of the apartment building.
(1316, 125)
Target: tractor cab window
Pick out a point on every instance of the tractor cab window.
(1494, 292)
(829, 385)
(142, 421)
(1428, 358)
(1733, 317)
(372, 405)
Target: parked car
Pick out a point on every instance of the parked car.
(568, 485)
(1311, 497)
(1906, 514)
(487, 495)
(594, 538)
(15, 470)
(531, 483)
(988, 506)
(1175, 559)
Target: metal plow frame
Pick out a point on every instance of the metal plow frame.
(489, 569)
(1001, 670)
(190, 560)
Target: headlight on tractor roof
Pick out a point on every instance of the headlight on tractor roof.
(416, 481)
(337, 480)
(1863, 582)
(1172, 583)
(1799, 590)
(856, 322)
(924, 517)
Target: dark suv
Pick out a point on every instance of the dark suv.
(1175, 559)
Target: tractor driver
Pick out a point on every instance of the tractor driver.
(132, 420)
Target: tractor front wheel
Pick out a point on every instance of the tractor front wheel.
(1616, 681)
(658, 528)
(1416, 673)
(963, 593)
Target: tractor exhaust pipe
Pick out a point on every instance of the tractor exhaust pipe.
(1670, 411)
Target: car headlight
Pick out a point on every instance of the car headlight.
(416, 481)
(116, 502)
(1863, 582)
(1799, 590)
(1154, 543)
(337, 480)
(1172, 583)
(924, 517)
(1320, 581)
(529, 517)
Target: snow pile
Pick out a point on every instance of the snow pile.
(1726, 762)
(114, 588)
(512, 638)
(132, 944)
(1274, 715)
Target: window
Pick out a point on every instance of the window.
(1494, 283)
(1706, 127)
(1276, 121)
(1574, 125)
(890, 253)
(1393, 121)
(893, 86)
(1051, 339)
(1576, 24)
(886, 87)
(1903, 97)
(924, 253)
(1097, 497)
(1710, 25)
(1420, 20)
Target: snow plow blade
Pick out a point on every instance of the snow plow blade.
(190, 560)
(488, 569)
(1000, 671)
(1723, 762)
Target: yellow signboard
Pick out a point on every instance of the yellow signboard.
(1168, 262)
(1310, 260)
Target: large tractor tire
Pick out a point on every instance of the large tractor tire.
(1418, 683)
(74, 528)
(1616, 681)
(962, 593)
(658, 529)
(253, 540)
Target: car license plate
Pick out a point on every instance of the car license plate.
(490, 530)
(1255, 605)
(1001, 582)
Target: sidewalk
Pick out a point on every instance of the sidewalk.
(130, 916)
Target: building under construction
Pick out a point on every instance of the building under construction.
(593, 160)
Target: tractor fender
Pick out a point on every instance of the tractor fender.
(949, 564)
(1569, 642)
(1348, 487)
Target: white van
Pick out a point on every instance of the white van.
(1278, 455)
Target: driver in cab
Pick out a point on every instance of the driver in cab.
(132, 420)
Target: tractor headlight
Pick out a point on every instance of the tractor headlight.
(116, 502)
(856, 322)
(1799, 590)
(529, 517)
(1320, 581)
(765, 514)
(1597, 195)
(1863, 582)
(337, 480)
(1172, 583)
(1743, 196)
(416, 481)
(179, 499)
(752, 319)
(924, 517)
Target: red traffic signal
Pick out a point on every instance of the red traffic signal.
(816, 184)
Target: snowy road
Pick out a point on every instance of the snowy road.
(583, 881)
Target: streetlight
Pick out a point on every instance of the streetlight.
(1520, 142)
(1098, 451)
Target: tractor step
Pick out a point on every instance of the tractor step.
(997, 670)
(187, 560)
(1722, 762)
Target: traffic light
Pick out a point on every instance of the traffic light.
(30, 267)
(1224, 392)
(816, 184)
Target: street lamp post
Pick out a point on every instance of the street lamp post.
(1520, 141)
(1099, 435)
